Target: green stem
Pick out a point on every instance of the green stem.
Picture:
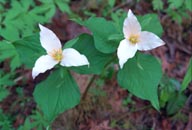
(94, 77)
(88, 86)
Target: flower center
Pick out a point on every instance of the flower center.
(134, 39)
(56, 54)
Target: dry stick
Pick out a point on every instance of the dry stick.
(119, 6)
(132, 111)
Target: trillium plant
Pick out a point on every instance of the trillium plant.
(135, 39)
(68, 57)
(111, 42)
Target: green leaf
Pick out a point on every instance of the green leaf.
(157, 4)
(115, 37)
(7, 31)
(47, 1)
(63, 6)
(176, 15)
(102, 29)
(141, 76)
(149, 22)
(29, 49)
(188, 4)
(5, 79)
(85, 45)
(176, 103)
(5, 121)
(118, 17)
(111, 3)
(27, 125)
(71, 43)
(3, 93)
(7, 50)
(39, 120)
(175, 4)
(188, 76)
(168, 88)
(58, 93)
(43, 13)
(3, 1)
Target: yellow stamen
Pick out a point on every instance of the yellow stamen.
(56, 54)
(134, 39)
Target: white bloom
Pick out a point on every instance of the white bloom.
(135, 39)
(50, 42)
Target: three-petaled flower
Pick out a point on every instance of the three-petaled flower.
(135, 39)
(50, 42)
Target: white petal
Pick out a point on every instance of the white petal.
(42, 64)
(149, 41)
(71, 57)
(125, 51)
(48, 39)
(131, 25)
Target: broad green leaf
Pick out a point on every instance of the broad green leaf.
(8, 51)
(115, 37)
(141, 76)
(102, 29)
(85, 45)
(149, 22)
(71, 43)
(188, 76)
(176, 103)
(58, 93)
(29, 49)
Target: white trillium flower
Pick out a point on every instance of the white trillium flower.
(135, 39)
(50, 42)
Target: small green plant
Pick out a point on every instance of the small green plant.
(170, 96)
(36, 120)
(177, 9)
(5, 121)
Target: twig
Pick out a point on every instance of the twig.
(119, 6)
(127, 113)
